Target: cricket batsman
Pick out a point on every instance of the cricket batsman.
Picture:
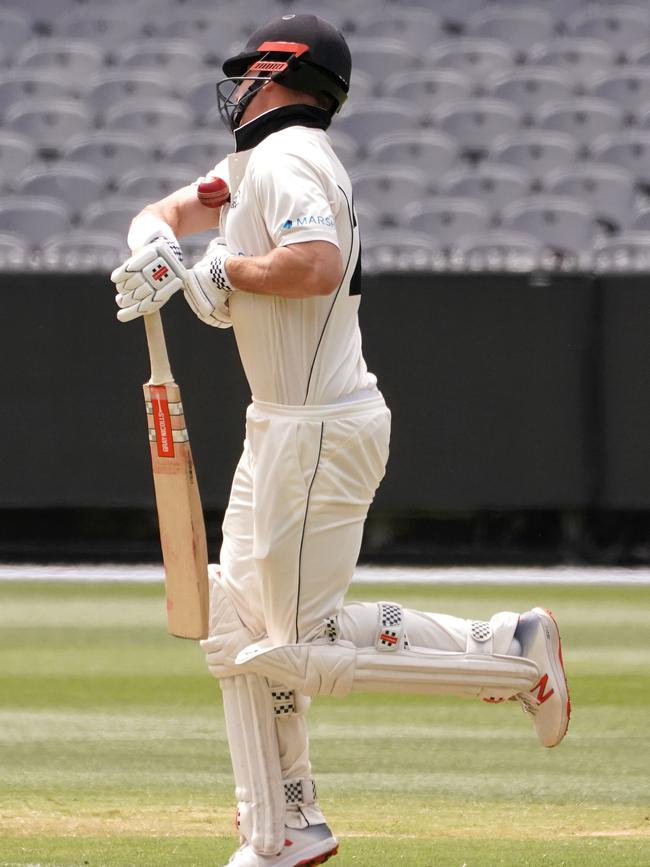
(284, 271)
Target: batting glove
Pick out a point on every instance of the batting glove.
(148, 279)
(208, 288)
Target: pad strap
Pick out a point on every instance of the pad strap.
(391, 633)
(479, 637)
(300, 792)
(284, 701)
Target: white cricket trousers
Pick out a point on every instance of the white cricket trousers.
(294, 524)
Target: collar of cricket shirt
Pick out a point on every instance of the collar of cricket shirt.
(255, 131)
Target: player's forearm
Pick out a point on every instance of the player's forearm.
(295, 271)
(183, 213)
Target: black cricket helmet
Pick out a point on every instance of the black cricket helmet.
(301, 52)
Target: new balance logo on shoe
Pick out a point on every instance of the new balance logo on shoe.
(540, 686)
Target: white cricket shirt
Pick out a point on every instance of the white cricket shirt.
(289, 189)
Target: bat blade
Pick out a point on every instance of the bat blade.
(180, 514)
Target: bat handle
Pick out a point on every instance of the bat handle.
(160, 369)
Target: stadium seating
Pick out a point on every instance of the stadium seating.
(48, 123)
(529, 87)
(431, 151)
(111, 153)
(76, 185)
(389, 190)
(521, 27)
(490, 103)
(494, 184)
(564, 225)
(476, 123)
(608, 189)
(34, 218)
(476, 56)
(447, 218)
(16, 153)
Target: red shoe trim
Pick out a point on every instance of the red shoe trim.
(566, 682)
(319, 859)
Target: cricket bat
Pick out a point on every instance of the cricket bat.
(180, 514)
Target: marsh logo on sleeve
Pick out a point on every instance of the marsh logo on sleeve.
(308, 221)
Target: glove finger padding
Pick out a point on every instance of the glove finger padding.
(147, 280)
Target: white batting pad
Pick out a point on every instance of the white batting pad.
(339, 669)
(260, 793)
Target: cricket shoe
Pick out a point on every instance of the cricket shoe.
(307, 847)
(548, 701)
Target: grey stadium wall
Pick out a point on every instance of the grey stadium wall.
(507, 392)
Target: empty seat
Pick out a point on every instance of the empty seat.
(499, 250)
(176, 58)
(644, 116)
(630, 251)
(627, 148)
(157, 120)
(105, 26)
(476, 56)
(20, 84)
(345, 148)
(618, 25)
(454, 14)
(557, 9)
(362, 86)
(396, 250)
(151, 183)
(476, 123)
(607, 189)
(14, 251)
(84, 250)
(389, 189)
(580, 56)
(214, 28)
(583, 118)
(111, 215)
(16, 153)
(521, 27)
(627, 86)
(367, 217)
(110, 88)
(428, 88)
(493, 184)
(77, 186)
(528, 87)
(377, 117)
(564, 225)
(15, 29)
(537, 151)
(639, 53)
(201, 97)
(72, 61)
(111, 153)
(446, 218)
(34, 218)
(418, 27)
(49, 123)
(200, 148)
(381, 57)
(430, 150)
(641, 220)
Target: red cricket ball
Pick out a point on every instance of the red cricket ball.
(213, 193)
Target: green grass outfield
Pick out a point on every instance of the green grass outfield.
(112, 747)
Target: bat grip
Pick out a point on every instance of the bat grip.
(160, 369)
